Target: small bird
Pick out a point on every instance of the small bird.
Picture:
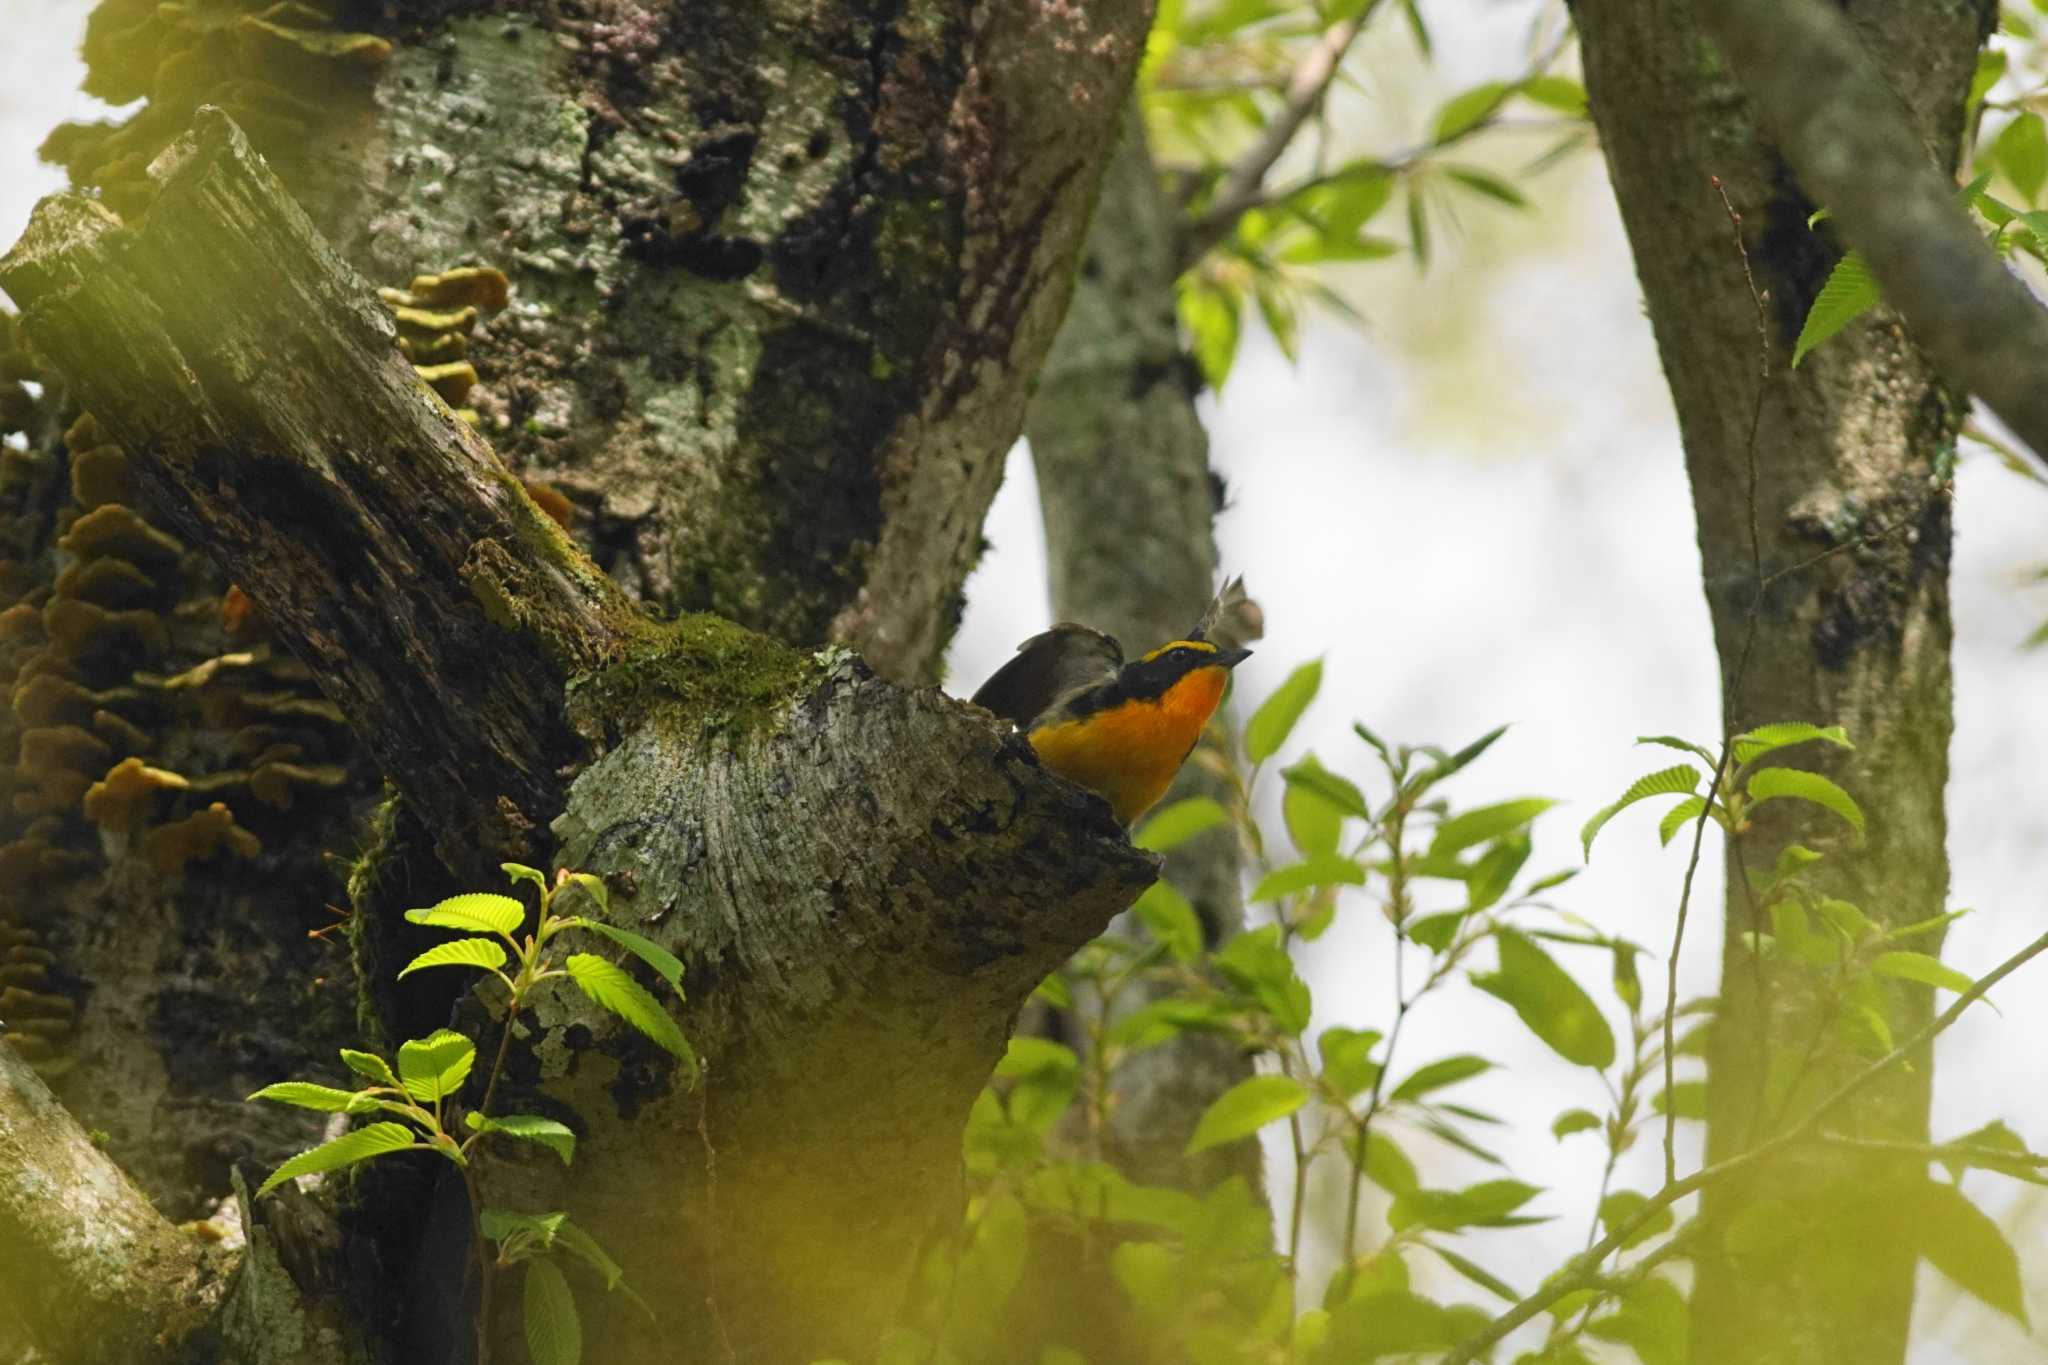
(1121, 730)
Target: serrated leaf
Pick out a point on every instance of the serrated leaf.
(1270, 725)
(306, 1095)
(1765, 738)
(666, 964)
(1173, 825)
(1326, 870)
(1679, 817)
(584, 1247)
(536, 1230)
(434, 1067)
(1171, 920)
(1922, 967)
(1468, 109)
(1772, 784)
(476, 912)
(1485, 822)
(485, 954)
(1849, 293)
(1245, 1108)
(554, 1334)
(368, 1064)
(1574, 1121)
(1678, 780)
(1438, 1074)
(1963, 1243)
(1554, 1006)
(556, 1137)
(346, 1150)
(607, 984)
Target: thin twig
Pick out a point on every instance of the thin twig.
(1584, 1269)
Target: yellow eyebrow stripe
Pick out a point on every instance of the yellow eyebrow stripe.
(1202, 645)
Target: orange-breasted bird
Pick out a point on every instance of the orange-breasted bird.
(1121, 730)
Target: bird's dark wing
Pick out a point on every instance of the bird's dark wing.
(1048, 667)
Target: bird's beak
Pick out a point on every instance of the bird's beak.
(1231, 658)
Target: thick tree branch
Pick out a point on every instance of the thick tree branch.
(1853, 145)
(256, 386)
(90, 1268)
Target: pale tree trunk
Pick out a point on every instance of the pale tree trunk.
(909, 252)
(1842, 493)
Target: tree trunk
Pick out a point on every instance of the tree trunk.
(866, 882)
(1825, 548)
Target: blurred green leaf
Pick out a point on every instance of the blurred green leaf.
(1348, 1067)
(1314, 824)
(1963, 1243)
(1275, 719)
(1486, 1204)
(1561, 93)
(1923, 967)
(1171, 920)
(2022, 153)
(1438, 1074)
(1245, 1108)
(1387, 1166)
(1622, 1205)
(1173, 825)
(1467, 109)
(1688, 1098)
(1484, 823)
(1574, 1121)
(1553, 1005)
(1479, 1275)
(1491, 186)
(1329, 869)
(1771, 784)
(1210, 313)
(554, 1334)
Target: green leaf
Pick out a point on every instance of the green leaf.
(1210, 314)
(666, 964)
(486, 954)
(584, 1247)
(1922, 967)
(520, 872)
(1418, 224)
(1392, 1322)
(1963, 1243)
(1850, 292)
(1491, 186)
(1557, 92)
(434, 1067)
(1622, 1205)
(1771, 784)
(2022, 152)
(1688, 1099)
(1487, 1204)
(1165, 912)
(1574, 1121)
(1454, 763)
(556, 1137)
(1553, 1005)
(1673, 781)
(1245, 1108)
(519, 1235)
(306, 1095)
(607, 984)
(1704, 754)
(1925, 926)
(1479, 1275)
(368, 1064)
(1438, 1074)
(1348, 1067)
(1313, 823)
(1652, 1320)
(1985, 1144)
(477, 912)
(1679, 817)
(1466, 110)
(1332, 789)
(593, 886)
(1990, 69)
(1255, 963)
(554, 1335)
(1386, 1165)
(1765, 738)
(1274, 720)
(1435, 932)
(1324, 870)
(1486, 822)
(1419, 30)
(1494, 871)
(1175, 824)
(346, 1150)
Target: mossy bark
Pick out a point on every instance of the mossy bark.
(1843, 491)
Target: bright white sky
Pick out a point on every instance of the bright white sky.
(1475, 512)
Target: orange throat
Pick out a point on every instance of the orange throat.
(1129, 753)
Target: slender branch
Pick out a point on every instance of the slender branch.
(1583, 1270)
(1305, 90)
(1848, 137)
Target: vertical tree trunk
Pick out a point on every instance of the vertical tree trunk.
(1837, 510)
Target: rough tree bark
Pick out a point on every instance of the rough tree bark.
(866, 882)
(1851, 524)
